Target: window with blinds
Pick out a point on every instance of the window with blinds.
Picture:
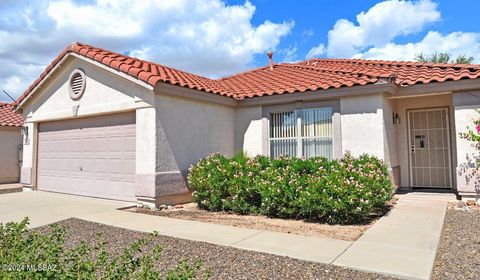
(302, 133)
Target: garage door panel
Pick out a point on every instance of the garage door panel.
(101, 144)
(90, 156)
(129, 165)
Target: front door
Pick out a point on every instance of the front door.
(429, 142)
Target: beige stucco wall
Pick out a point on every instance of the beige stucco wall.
(362, 123)
(390, 133)
(187, 131)
(27, 171)
(404, 104)
(466, 106)
(10, 140)
(249, 130)
(105, 93)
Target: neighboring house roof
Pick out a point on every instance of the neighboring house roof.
(8, 117)
(313, 74)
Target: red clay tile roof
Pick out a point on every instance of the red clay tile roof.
(314, 74)
(8, 117)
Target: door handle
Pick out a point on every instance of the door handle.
(412, 149)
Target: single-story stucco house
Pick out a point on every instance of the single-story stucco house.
(106, 125)
(10, 144)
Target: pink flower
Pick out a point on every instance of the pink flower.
(478, 129)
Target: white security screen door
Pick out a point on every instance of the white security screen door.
(429, 142)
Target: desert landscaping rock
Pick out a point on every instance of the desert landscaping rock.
(471, 202)
(458, 256)
(224, 262)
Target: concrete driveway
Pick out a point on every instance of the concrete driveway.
(45, 208)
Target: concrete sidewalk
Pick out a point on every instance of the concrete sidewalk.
(402, 243)
(296, 246)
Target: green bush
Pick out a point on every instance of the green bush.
(336, 191)
(28, 254)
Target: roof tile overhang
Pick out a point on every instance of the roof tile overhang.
(8, 117)
(309, 75)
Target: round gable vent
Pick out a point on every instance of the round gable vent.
(77, 84)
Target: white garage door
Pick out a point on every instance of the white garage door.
(88, 156)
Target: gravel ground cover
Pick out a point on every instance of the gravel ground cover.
(190, 211)
(458, 256)
(224, 262)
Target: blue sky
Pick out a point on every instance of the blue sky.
(216, 38)
(318, 17)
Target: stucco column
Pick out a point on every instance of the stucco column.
(27, 172)
(467, 171)
(170, 183)
(158, 177)
(145, 155)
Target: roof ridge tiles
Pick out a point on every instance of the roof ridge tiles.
(395, 62)
(357, 73)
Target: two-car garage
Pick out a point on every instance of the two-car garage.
(93, 156)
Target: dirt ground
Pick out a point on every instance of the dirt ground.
(190, 211)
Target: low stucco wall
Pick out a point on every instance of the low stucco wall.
(466, 106)
(10, 140)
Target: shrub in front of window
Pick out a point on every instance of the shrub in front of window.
(336, 191)
(223, 184)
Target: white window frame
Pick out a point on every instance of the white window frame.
(298, 129)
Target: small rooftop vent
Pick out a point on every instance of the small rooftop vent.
(77, 83)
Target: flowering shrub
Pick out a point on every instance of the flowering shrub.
(335, 191)
(473, 135)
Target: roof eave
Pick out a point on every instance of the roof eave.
(179, 91)
(320, 94)
(448, 86)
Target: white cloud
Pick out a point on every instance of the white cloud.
(316, 51)
(289, 54)
(380, 25)
(207, 37)
(373, 35)
(308, 33)
(456, 43)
